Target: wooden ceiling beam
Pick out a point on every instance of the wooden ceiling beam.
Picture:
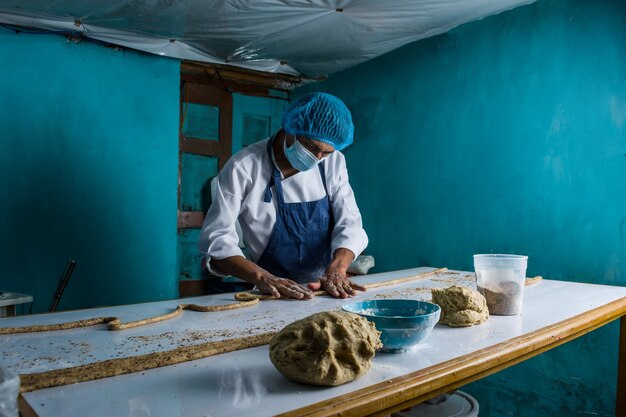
(240, 77)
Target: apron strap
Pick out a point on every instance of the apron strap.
(321, 167)
(275, 179)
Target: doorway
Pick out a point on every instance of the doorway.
(221, 111)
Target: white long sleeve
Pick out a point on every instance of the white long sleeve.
(240, 192)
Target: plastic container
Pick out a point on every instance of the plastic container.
(402, 323)
(458, 404)
(500, 278)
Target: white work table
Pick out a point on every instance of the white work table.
(245, 383)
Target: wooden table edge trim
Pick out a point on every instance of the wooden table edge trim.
(24, 409)
(620, 406)
(398, 393)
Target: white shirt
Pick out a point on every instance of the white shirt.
(240, 192)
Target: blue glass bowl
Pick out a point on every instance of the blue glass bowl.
(403, 323)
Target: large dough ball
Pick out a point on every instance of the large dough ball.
(460, 306)
(329, 348)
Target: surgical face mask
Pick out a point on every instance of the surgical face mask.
(299, 157)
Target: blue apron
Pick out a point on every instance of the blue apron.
(299, 247)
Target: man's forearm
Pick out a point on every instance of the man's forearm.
(240, 267)
(342, 258)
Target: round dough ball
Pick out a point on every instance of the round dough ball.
(328, 349)
(460, 306)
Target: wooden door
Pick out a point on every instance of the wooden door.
(205, 144)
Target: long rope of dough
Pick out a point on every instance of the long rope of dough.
(121, 366)
(246, 296)
(532, 281)
(406, 279)
(114, 323)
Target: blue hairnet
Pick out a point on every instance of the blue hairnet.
(320, 116)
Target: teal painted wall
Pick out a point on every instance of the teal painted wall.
(504, 135)
(89, 162)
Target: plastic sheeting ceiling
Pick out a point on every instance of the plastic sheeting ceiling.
(311, 38)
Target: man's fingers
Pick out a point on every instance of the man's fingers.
(342, 292)
(296, 291)
(339, 285)
(290, 292)
(349, 290)
(275, 292)
(356, 286)
(303, 290)
(331, 288)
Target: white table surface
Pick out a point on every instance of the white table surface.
(245, 383)
(13, 298)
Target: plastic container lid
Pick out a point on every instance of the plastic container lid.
(458, 404)
(500, 260)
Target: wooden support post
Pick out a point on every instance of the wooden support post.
(25, 410)
(620, 407)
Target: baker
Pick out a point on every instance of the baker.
(300, 223)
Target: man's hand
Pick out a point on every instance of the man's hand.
(334, 281)
(283, 288)
(266, 282)
(336, 284)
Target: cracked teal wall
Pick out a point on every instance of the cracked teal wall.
(89, 165)
(504, 135)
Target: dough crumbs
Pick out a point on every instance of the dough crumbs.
(460, 306)
(327, 349)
